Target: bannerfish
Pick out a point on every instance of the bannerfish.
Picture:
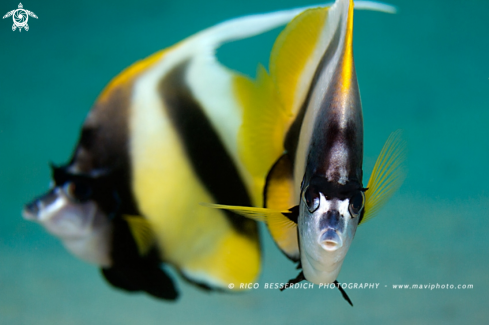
(303, 124)
(161, 138)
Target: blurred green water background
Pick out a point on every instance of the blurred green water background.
(424, 70)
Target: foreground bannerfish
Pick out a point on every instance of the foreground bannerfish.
(161, 138)
(314, 195)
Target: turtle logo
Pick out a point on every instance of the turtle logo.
(20, 17)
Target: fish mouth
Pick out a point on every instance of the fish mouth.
(32, 210)
(330, 240)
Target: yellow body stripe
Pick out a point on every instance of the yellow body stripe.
(197, 240)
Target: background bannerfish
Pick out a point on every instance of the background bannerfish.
(161, 138)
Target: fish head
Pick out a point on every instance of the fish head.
(72, 211)
(328, 218)
(68, 210)
(332, 213)
(61, 215)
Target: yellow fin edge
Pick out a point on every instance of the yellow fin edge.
(387, 176)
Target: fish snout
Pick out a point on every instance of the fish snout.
(33, 209)
(332, 219)
(331, 226)
(330, 240)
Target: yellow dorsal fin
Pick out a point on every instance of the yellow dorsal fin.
(295, 56)
(387, 176)
(299, 48)
(142, 232)
(263, 128)
(268, 100)
(279, 195)
(272, 101)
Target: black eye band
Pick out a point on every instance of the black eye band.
(60, 175)
(335, 190)
(81, 188)
(78, 190)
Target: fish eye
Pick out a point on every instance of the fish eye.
(311, 198)
(77, 191)
(356, 204)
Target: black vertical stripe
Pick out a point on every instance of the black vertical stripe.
(327, 131)
(205, 151)
(104, 147)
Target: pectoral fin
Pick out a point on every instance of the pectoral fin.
(142, 233)
(257, 214)
(387, 176)
(279, 217)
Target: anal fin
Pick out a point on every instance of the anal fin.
(132, 271)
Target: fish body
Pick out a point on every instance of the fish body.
(329, 156)
(314, 197)
(161, 138)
